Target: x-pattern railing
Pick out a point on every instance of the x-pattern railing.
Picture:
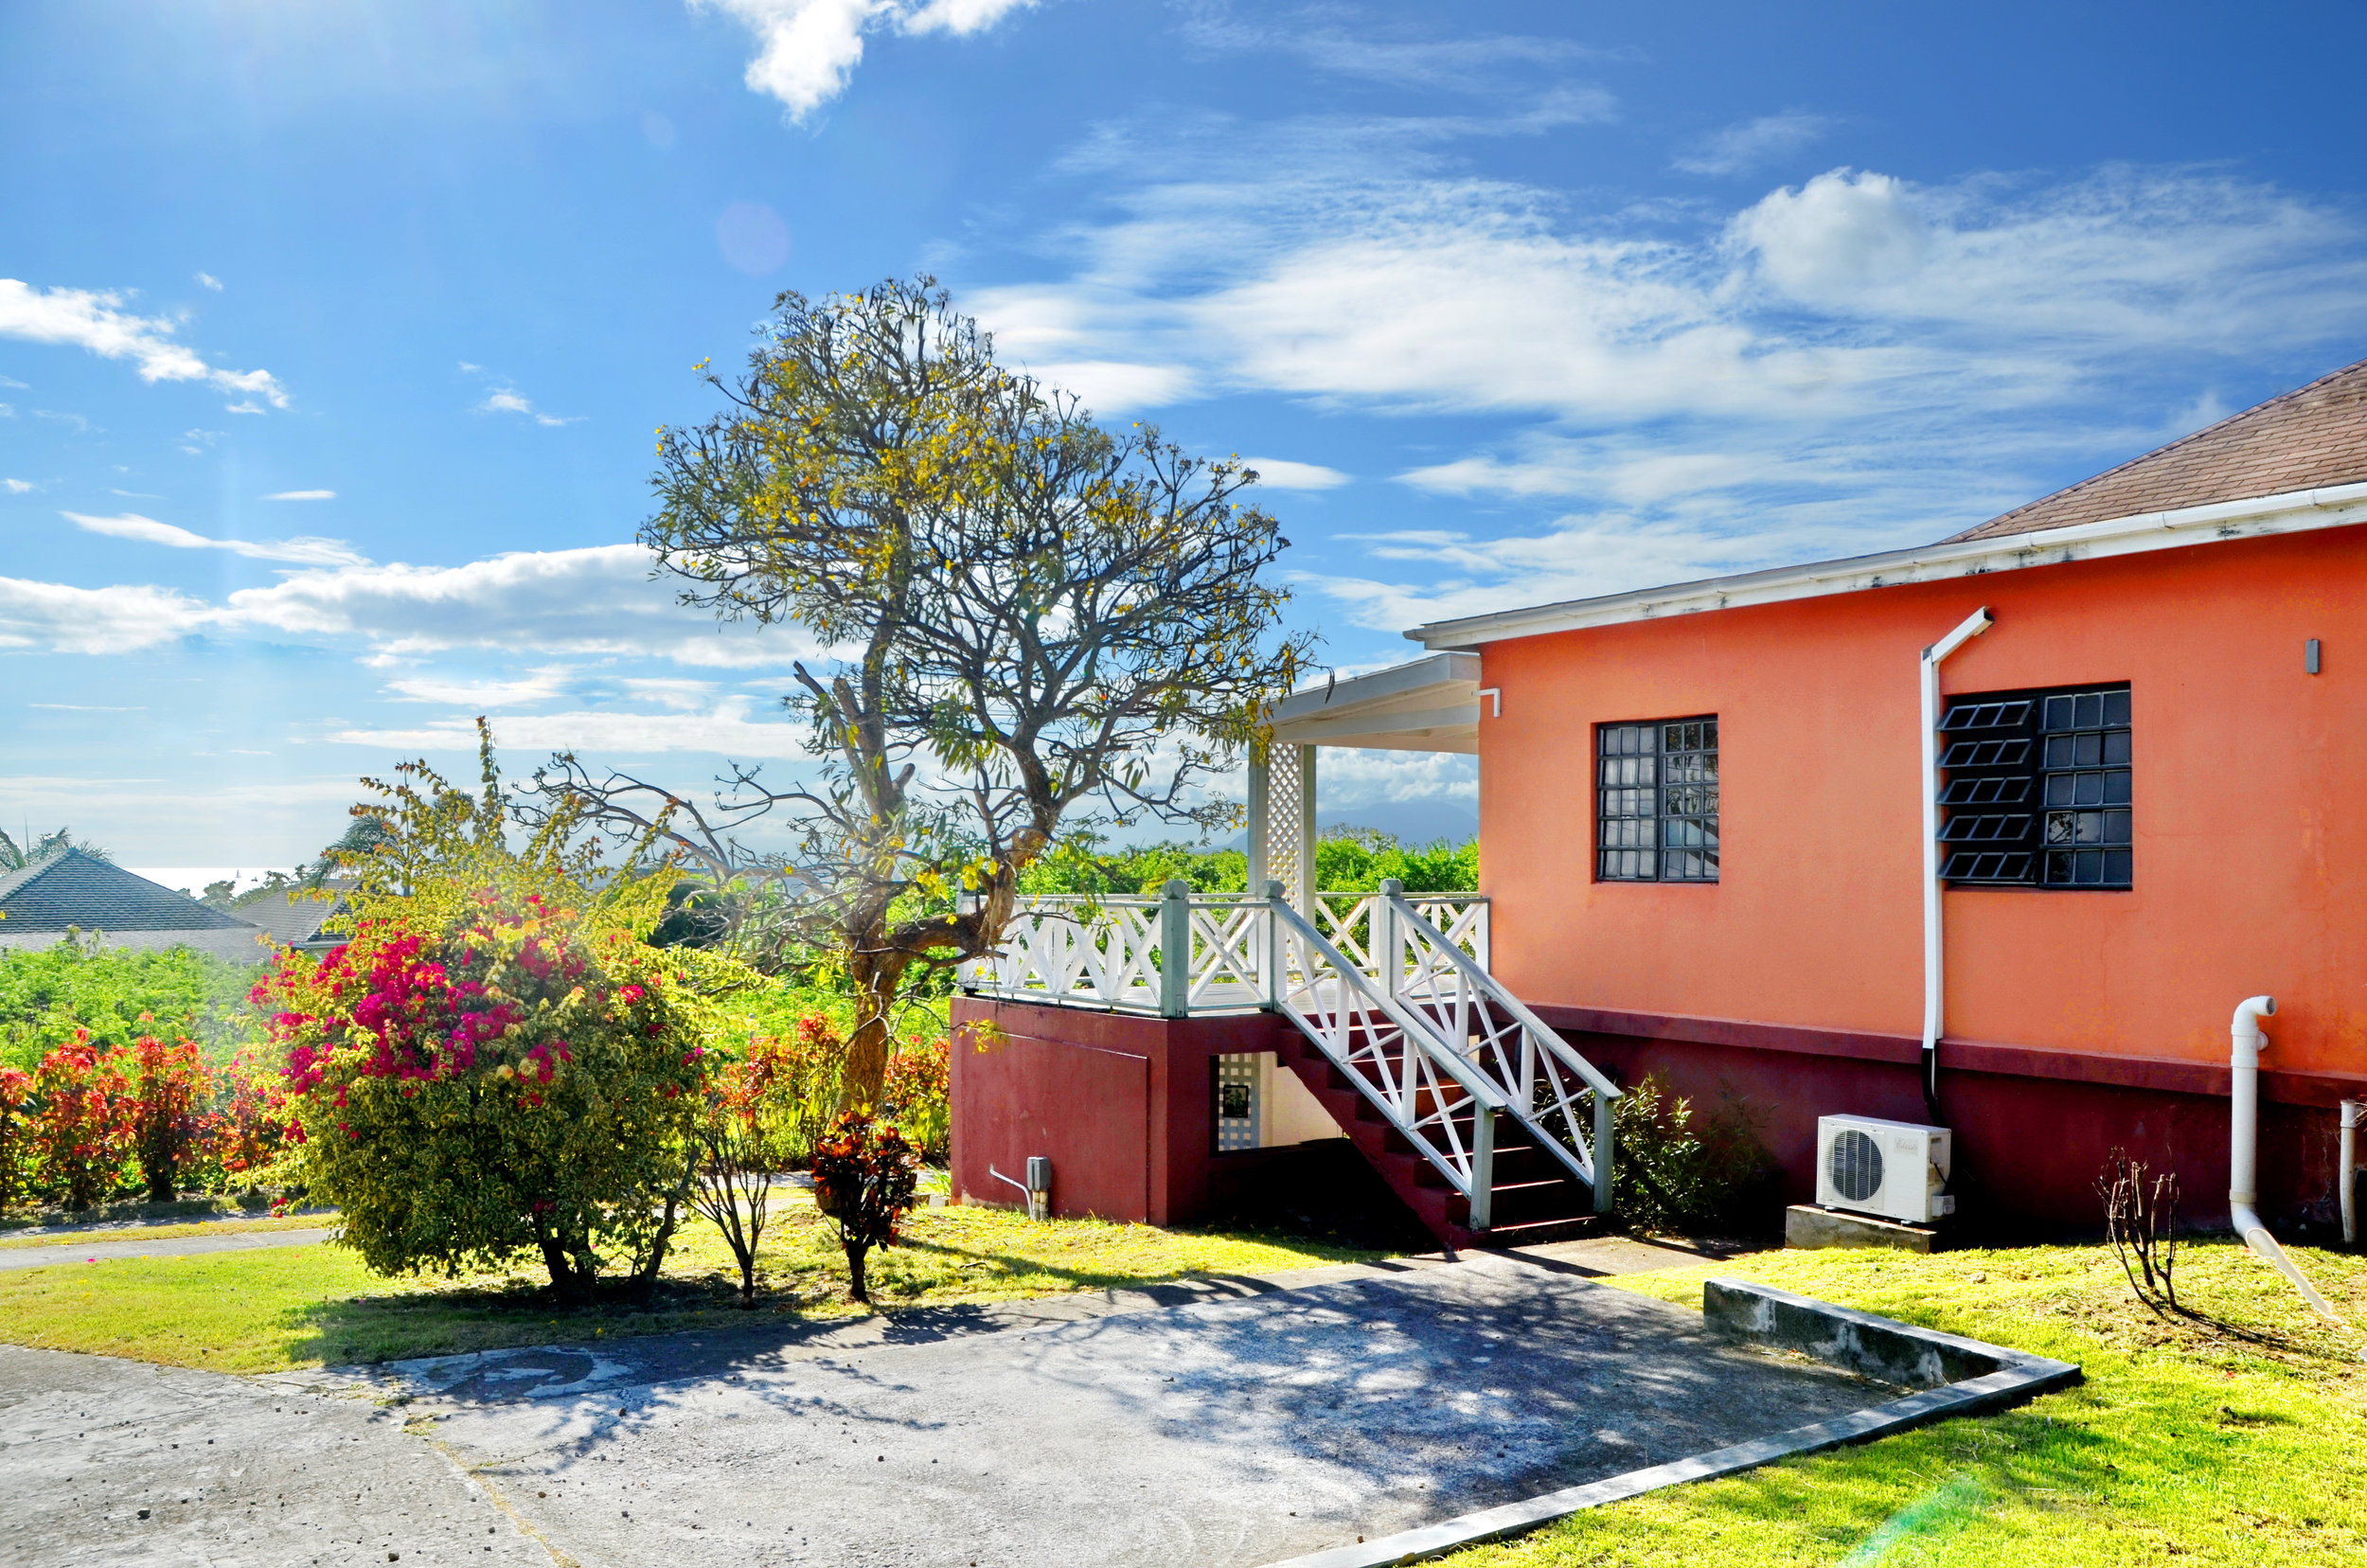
(1441, 1106)
(1550, 1089)
(1393, 988)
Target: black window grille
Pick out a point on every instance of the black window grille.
(1656, 800)
(2036, 789)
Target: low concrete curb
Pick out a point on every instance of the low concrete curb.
(1959, 1377)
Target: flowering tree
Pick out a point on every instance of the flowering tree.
(508, 1083)
(1043, 626)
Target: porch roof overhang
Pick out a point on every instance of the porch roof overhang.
(1430, 706)
(2295, 511)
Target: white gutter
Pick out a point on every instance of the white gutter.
(2243, 1146)
(1934, 983)
(2293, 511)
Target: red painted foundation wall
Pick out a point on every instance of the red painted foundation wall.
(1123, 1105)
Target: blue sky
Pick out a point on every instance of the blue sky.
(332, 337)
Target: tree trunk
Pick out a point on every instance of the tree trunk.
(858, 1278)
(879, 979)
(645, 1278)
(569, 1283)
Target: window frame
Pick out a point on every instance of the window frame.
(2015, 778)
(1705, 825)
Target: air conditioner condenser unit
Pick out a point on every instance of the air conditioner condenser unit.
(1896, 1170)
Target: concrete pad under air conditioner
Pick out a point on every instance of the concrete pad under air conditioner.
(1807, 1226)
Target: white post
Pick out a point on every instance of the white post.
(1260, 830)
(1175, 949)
(1307, 831)
(1934, 989)
(1388, 963)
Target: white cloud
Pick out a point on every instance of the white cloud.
(807, 49)
(11, 380)
(19, 487)
(303, 495)
(1404, 59)
(677, 694)
(1352, 265)
(304, 551)
(506, 400)
(53, 617)
(595, 600)
(1281, 473)
(210, 280)
(726, 730)
(92, 319)
(536, 685)
(1853, 362)
(1349, 776)
(599, 600)
(1739, 148)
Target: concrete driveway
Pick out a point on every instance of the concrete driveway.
(1223, 1432)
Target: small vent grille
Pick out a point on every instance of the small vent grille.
(1857, 1162)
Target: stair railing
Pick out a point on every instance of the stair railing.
(1535, 1070)
(1389, 1052)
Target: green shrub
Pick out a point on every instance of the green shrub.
(1681, 1171)
(864, 1175)
(118, 995)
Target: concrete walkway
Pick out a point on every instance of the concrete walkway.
(1221, 1422)
(98, 1250)
(1224, 1433)
(114, 1464)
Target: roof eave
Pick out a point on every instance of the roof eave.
(2293, 511)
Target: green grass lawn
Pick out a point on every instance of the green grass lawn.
(274, 1307)
(2186, 1445)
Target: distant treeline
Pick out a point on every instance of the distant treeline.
(1347, 860)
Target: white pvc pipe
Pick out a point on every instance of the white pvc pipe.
(2247, 1041)
(1934, 987)
(2346, 1172)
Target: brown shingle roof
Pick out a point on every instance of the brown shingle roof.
(2311, 437)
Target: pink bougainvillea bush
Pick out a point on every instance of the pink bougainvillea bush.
(510, 1083)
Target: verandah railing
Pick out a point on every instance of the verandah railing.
(1393, 988)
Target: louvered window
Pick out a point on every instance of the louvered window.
(2035, 789)
(1656, 800)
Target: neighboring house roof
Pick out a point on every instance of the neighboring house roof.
(2217, 484)
(297, 921)
(71, 888)
(2307, 439)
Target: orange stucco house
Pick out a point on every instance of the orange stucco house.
(1723, 824)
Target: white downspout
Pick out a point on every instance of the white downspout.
(2346, 1171)
(2243, 1146)
(1934, 989)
